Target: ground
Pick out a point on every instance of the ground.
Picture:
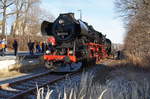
(15, 75)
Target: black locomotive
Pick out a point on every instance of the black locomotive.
(74, 38)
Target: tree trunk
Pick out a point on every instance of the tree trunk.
(4, 21)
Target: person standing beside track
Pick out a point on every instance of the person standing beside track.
(3, 42)
(31, 47)
(15, 47)
(38, 48)
(43, 47)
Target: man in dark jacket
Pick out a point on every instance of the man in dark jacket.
(31, 47)
(15, 47)
(43, 47)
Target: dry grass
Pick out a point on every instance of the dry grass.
(10, 74)
(82, 90)
(124, 83)
(113, 63)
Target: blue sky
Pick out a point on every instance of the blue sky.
(99, 13)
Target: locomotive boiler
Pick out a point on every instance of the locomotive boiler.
(77, 43)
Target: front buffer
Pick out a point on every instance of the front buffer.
(62, 63)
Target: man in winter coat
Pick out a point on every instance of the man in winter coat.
(15, 47)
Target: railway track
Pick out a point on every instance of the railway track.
(18, 89)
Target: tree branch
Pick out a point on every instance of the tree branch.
(2, 2)
(10, 4)
(14, 13)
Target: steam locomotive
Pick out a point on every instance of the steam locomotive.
(73, 44)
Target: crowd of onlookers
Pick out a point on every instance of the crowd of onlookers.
(33, 46)
(38, 47)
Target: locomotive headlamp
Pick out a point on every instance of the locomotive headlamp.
(61, 21)
(47, 52)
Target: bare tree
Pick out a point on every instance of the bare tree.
(4, 5)
(19, 4)
(137, 41)
(23, 8)
(29, 17)
(27, 7)
(33, 20)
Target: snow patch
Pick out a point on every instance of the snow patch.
(6, 63)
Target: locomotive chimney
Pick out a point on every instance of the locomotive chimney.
(71, 14)
(68, 14)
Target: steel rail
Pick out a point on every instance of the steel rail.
(26, 86)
